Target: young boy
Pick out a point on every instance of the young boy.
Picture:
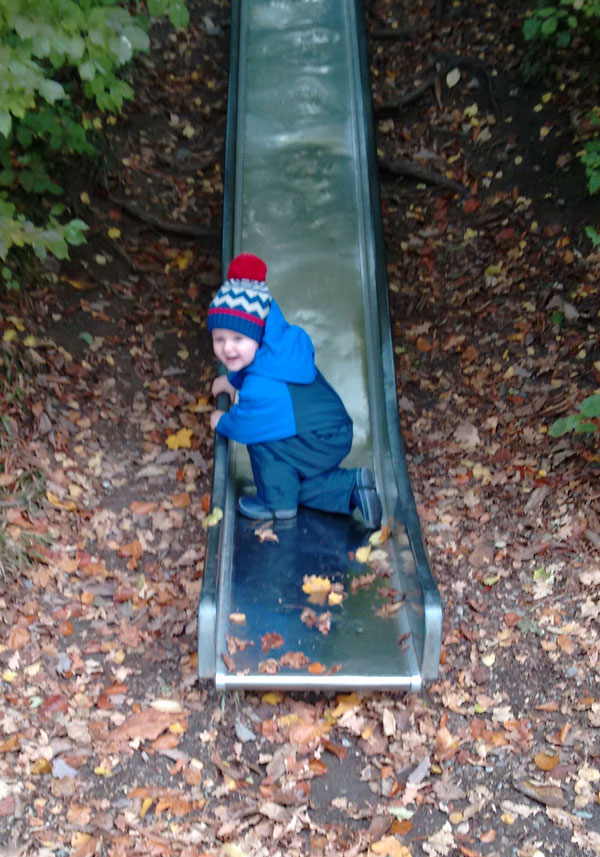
(294, 424)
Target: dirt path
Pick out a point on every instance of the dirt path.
(109, 745)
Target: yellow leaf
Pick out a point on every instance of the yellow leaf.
(362, 554)
(9, 676)
(273, 697)
(335, 598)
(101, 771)
(379, 537)
(316, 588)
(79, 838)
(41, 766)
(146, 804)
(10, 335)
(200, 407)
(14, 319)
(313, 583)
(113, 232)
(183, 438)
(213, 519)
(30, 341)
(345, 702)
(65, 505)
(84, 197)
(183, 354)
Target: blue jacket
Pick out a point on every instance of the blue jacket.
(281, 393)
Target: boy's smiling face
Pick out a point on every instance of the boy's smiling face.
(233, 349)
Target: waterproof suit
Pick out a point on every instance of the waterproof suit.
(294, 424)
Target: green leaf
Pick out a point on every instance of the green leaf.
(593, 236)
(157, 7)
(590, 407)
(138, 38)
(564, 425)
(178, 14)
(594, 181)
(87, 70)
(531, 28)
(121, 47)
(51, 90)
(586, 428)
(5, 122)
(549, 26)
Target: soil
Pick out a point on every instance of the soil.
(494, 311)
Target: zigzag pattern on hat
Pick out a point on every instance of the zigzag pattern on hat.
(249, 300)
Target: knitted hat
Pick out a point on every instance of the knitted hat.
(243, 301)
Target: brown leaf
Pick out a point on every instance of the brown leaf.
(566, 644)
(142, 507)
(167, 741)
(294, 660)
(547, 795)
(18, 637)
(9, 744)
(545, 762)
(147, 725)
(7, 806)
(271, 640)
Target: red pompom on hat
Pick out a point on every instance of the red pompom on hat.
(243, 301)
(246, 266)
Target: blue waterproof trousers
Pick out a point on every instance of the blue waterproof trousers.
(303, 470)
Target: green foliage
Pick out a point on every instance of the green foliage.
(58, 57)
(580, 422)
(590, 158)
(593, 235)
(559, 23)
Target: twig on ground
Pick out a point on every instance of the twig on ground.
(443, 65)
(406, 167)
(165, 225)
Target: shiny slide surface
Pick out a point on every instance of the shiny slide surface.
(301, 191)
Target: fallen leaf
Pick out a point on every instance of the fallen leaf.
(271, 640)
(180, 440)
(65, 505)
(213, 519)
(546, 762)
(18, 636)
(389, 846)
(317, 588)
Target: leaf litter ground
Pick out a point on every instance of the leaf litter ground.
(108, 744)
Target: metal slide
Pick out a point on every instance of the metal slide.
(301, 191)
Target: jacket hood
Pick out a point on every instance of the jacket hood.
(286, 353)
